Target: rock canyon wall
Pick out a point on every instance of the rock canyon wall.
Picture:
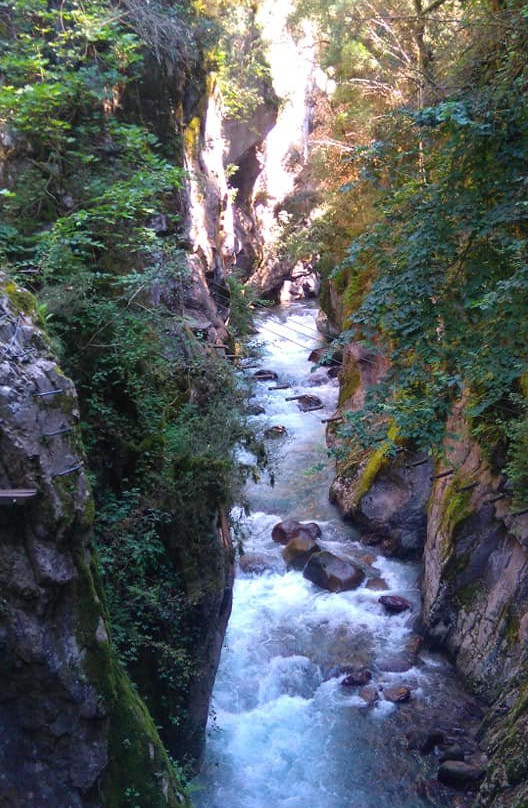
(456, 513)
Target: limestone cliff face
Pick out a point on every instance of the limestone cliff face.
(475, 591)
(74, 731)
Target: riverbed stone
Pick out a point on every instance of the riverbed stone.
(425, 742)
(277, 431)
(298, 551)
(369, 694)
(265, 375)
(398, 694)
(377, 584)
(452, 752)
(258, 563)
(306, 403)
(333, 573)
(394, 604)
(284, 532)
(357, 677)
(255, 409)
(458, 774)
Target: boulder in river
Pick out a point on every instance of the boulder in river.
(398, 694)
(394, 604)
(258, 563)
(298, 551)
(284, 532)
(425, 742)
(369, 694)
(277, 431)
(377, 584)
(306, 403)
(357, 677)
(452, 752)
(265, 375)
(457, 774)
(255, 409)
(333, 573)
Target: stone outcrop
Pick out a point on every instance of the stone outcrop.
(385, 496)
(75, 731)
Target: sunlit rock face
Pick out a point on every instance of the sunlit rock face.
(293, 69)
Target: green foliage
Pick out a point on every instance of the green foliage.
(241, 62)
(90, 224)
(146, 598)
(437, 279)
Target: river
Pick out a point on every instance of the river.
(284, 732)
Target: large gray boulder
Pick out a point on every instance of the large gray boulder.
(333, 573)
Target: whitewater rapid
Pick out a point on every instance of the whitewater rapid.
(284, 732)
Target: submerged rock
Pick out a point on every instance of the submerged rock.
(397, 694)
(284, 532)
(306, 403)
(394, 604)
(458, 774)
(357, 677)
(333, 573)
(276, 432)
(258, 563)
(298, 551)
(369, 694)
(265, 375)
(255, 409)
(377, 584)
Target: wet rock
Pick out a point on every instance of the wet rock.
(377, 584)
(397, 694)
(265, 375)
(413, 645)
(395, 664)
(425, 742)
(258, 564)
(333, 573)
(394, 604)
(255, 409)
(275, 432)
(369, 694)
(298, 551)
(430, 790)
(357, 677)
(457, 774)
(284, 532)
(326, 356)
(453, 752)
(306, 403)
(334, 372)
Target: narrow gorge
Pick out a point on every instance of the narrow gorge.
(263, 404)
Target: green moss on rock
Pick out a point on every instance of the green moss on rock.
(139, 771)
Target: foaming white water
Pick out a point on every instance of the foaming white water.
(286, 732)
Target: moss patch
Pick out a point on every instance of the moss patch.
(21, 300)
(139, 771)
(349, 386)
(457, 506)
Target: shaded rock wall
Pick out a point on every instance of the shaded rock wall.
(475, 592)
(475, 579)
(74, 731)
